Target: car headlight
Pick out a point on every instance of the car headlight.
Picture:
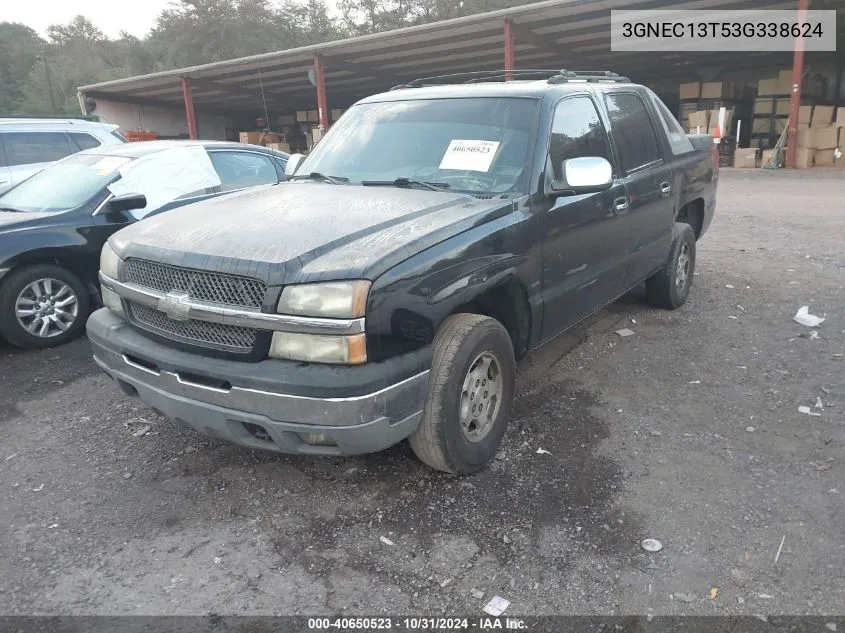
(337, 299)
(109, 261)
(319, 348)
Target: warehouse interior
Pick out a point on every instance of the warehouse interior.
(289, 98)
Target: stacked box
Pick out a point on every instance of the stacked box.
(302, 116)
(690, 90)
(746, 158)
(822, 116)
(766, 87)
(718, 90)
(699, 119)
(804, 158)
(250, 137)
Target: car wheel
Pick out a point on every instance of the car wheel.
(42, 306)
(470, 391)
(669, 288)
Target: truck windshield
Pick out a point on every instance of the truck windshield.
(64, 185)
(476, 145)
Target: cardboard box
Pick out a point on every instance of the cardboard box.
(313, 116)
(761, 125)
(286, 119)
(804, 157)
(805, 114)
(690, 90)
(767, 87)
(746, 158)
(762, 106)
(250, 137)
(805, 139)
(780, 125)
(824, 137)
(766, 156)
(717, 90)
(698, 118)
(840, 117)
(782, 106)
(785, 82)
(822, 116)
(824, 158)
(302, 116)
(269, 137)
(316, 134)
(279, 147)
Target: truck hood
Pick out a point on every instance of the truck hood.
(299, 232)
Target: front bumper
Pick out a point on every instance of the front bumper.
(246, 404)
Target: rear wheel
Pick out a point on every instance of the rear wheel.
(670, 287)
(42, 306)
(470, 391)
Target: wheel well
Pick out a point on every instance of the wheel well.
(508, 304)
(71, 263)
(692, 213)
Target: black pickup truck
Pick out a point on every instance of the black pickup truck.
(435, 235)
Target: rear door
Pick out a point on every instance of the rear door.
(584, 243)
(649, 180)
(28, 153)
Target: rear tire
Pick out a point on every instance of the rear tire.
(470, 392)
(41, 293)
(670, 287)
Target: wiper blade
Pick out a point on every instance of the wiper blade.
(315, 175)
(12, 209)
(406, 182)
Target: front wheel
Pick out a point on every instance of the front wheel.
(42, 306)
(670, 287)
(470, 391)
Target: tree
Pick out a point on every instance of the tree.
(20, 50)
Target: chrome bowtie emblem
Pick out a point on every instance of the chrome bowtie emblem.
(175, 304)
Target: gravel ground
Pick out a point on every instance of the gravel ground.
(687, 432)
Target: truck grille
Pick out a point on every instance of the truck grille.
(206, 286)
(230, 338)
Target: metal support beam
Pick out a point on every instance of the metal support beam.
(322, 106)
(510, 61)
(189, 108)
(797, 80)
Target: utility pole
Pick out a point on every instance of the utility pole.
(49, 83)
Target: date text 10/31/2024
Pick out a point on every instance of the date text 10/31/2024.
(416, 624)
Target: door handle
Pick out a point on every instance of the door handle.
(665, 188)
(621, 204)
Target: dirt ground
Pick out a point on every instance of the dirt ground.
(688, 432)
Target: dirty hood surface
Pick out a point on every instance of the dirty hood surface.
(304, 231)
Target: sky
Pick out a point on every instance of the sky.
(110, 16)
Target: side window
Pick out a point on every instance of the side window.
(577, 131)
(632, 130)
(26, 148)
(678, 140)
(84, 141)
(243, 169)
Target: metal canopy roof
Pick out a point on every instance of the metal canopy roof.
(555, 33)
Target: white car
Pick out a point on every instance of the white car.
(29, 145)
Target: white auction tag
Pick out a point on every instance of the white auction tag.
(469, 155)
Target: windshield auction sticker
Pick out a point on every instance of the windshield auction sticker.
(469, 155)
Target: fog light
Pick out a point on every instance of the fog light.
(317, 439)
(112, 301)
(319, 348)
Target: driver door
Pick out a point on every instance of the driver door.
(584, 253)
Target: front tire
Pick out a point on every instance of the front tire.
(42, 306)
(670, 287)
(470, 392)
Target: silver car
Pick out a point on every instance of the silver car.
(29, 145)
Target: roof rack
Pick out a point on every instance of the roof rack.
(553, 76)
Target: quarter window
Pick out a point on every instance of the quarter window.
(632, 130)
(243, 169)
(84, 141)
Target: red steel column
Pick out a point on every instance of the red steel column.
(509, 52)
(795, 102)
(322, 106)
(189, 108)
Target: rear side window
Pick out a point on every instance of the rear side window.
(577, 131)
(678, 141)
(27, 148)
(632, 130)
(84, 141)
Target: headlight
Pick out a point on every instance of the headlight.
(319, 348)
(338, 299)
(112, 302)
(109, 261)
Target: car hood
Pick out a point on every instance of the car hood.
(299, 232)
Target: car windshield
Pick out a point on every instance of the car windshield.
(64, 185)
(477, 145)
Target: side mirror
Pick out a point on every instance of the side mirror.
(128, 202)
(586, 174)
(294, 161)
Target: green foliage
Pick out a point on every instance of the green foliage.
(39, 77)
